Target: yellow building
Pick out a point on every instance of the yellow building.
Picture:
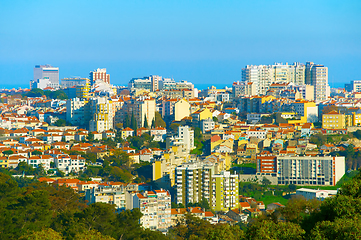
(3, 162)
(225, 192)
(333, 120)
(181, 109)
(202, 114)
(83, 91)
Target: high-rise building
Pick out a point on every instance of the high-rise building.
(197, 181)
(224, 191)
(192, 182)
(77, 112)
(99, 74)
(45, 75)
(101, 114)
(186, 135)
(141, 108)
(317, 76)
(264, 75)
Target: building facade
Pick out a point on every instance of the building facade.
(99, 74)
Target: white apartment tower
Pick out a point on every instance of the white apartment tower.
(187, 135)
(264, 75)
(45, 76)
(317, 76)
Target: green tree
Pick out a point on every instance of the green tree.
(35, 92)
(60, 123)
(30, 212)
(159, 122)
(44, 234)
(133, 123)
(342, 228)
(153, 123)
(92, 235)
(267, 229)
(265, 181)
(90, 137)
(145, 124)
(36, 152)
(8, 152)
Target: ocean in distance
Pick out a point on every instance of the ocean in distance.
(198, 86)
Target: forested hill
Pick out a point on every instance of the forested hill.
(41, 211)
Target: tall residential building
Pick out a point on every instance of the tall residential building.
(46, 73)
(77, 112)
(197, 181)
(150, 83)
(193, 182)
(243, 89)
(142, 108)
(224, 191)
(186, 134)
(156, 209)
(264, 75)
(99, 74)
(308, 170)
(317, 76)
(101, 114)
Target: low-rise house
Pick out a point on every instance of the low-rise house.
(127, 132)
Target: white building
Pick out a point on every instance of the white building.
(156, 209)
(77, 111)
(307, 170)
(67, 164)
(76, 81)
(317, 75)
(158, 133)
(316, 193)
(186, 135)
(207, 125)
(46, 72)
(101, 113)
(107, 194)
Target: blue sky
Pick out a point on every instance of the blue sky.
(200, 41)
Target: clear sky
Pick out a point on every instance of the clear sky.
(200, 41)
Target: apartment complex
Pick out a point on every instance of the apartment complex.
(302, 170)
(224, 191)
(99, 74)
(197, 181)
(156, 209)
(154, 83)
(142, 108)
(262, 76)
(317, 76)
(101, 113)
(193, 181)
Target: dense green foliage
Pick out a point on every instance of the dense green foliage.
(42, 211)
(36, 92)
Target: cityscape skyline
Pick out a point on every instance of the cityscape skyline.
(198, 42)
